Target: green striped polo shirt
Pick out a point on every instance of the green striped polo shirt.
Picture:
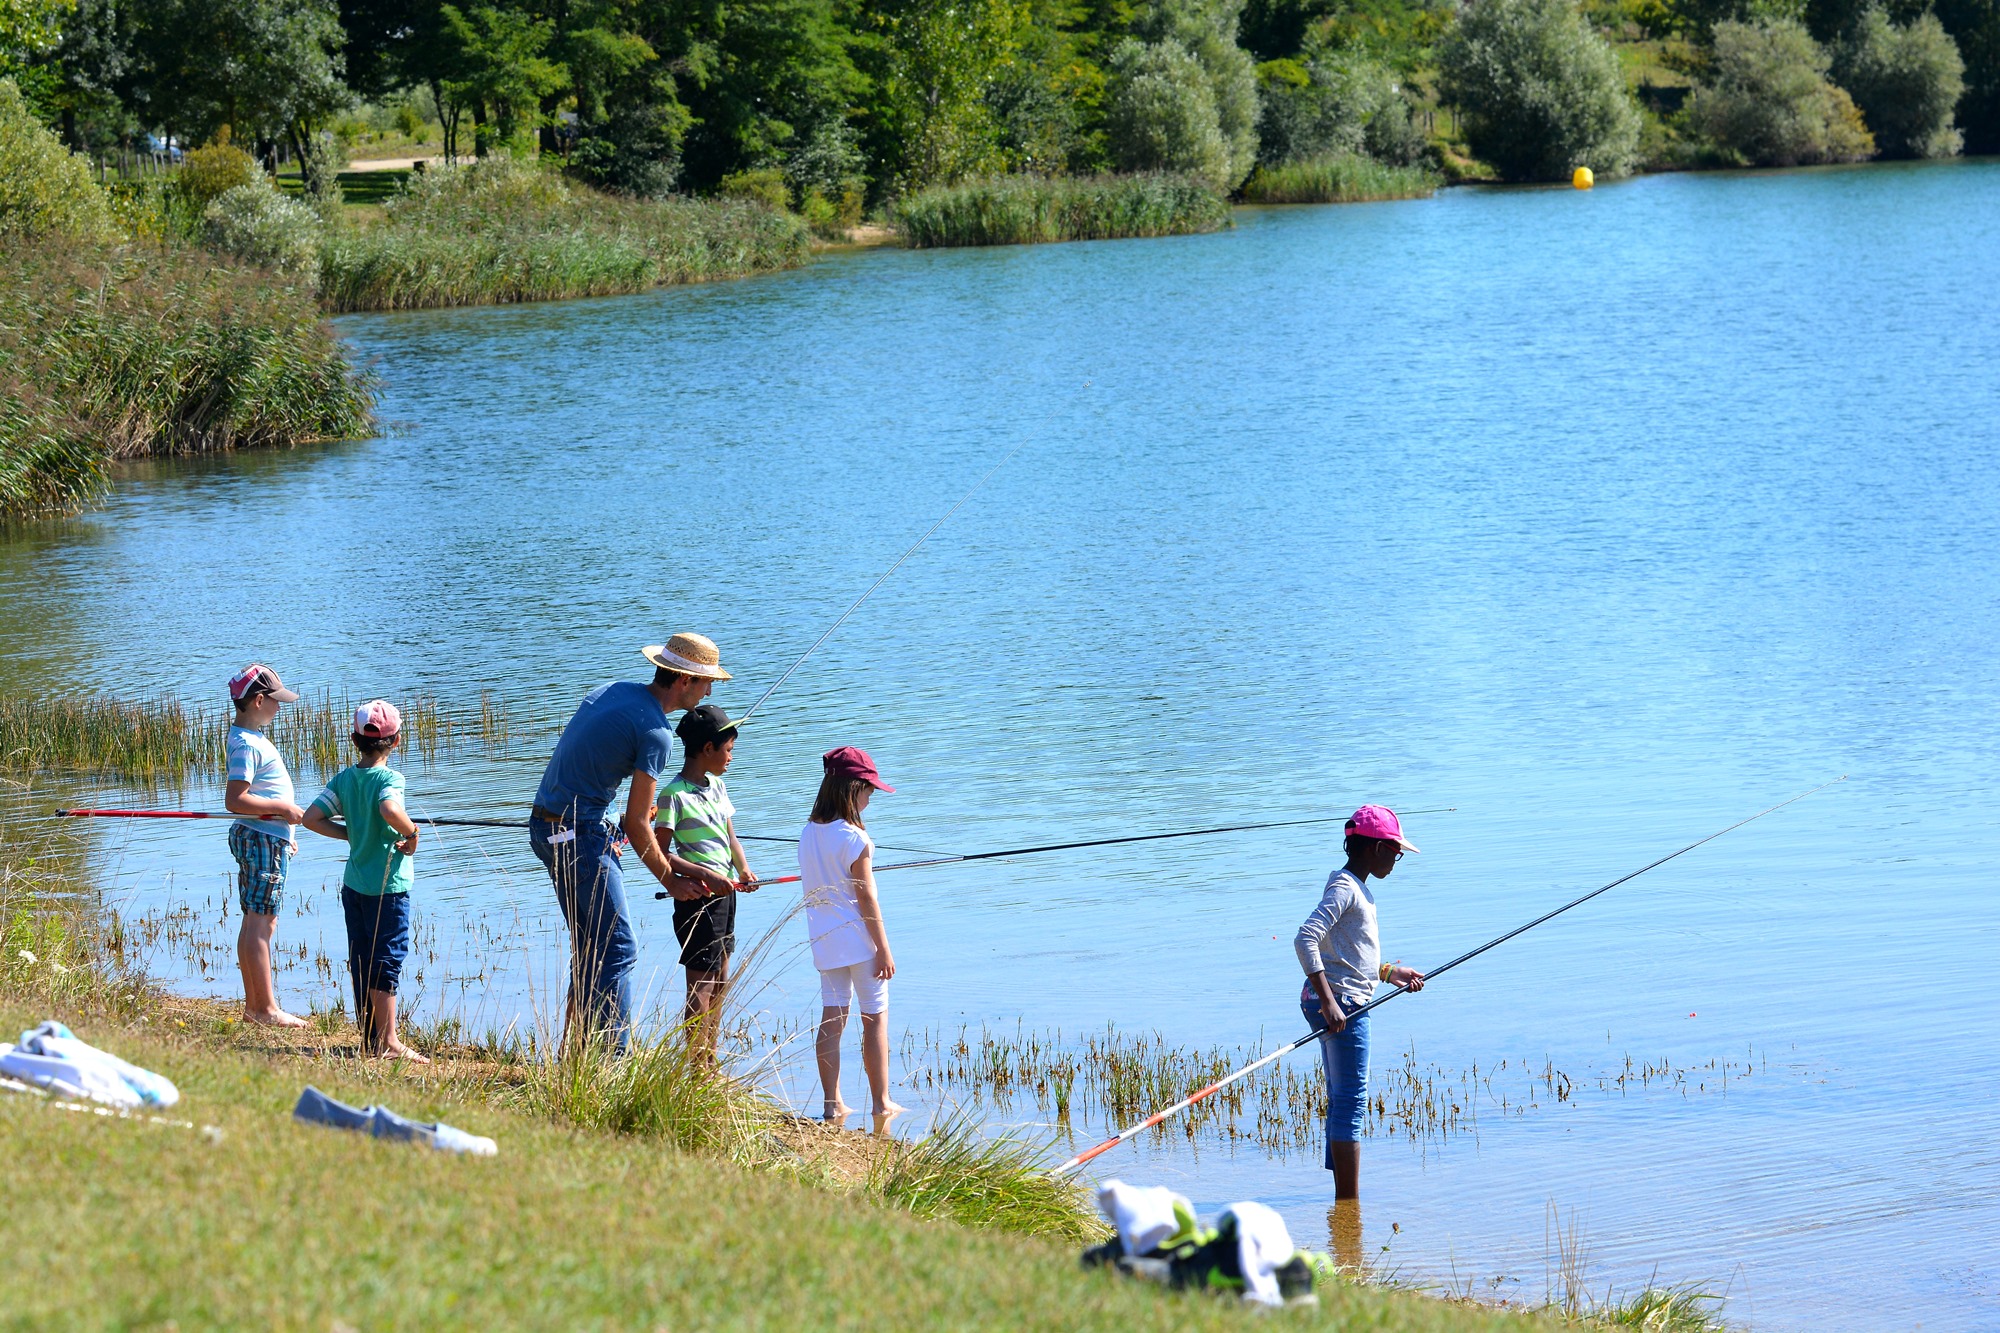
(699, 817)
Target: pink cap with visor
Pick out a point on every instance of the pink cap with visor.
(259, 679)
(377, 718)
(850, 762)
(1378, 821)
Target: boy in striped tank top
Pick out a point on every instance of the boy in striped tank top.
(693, 824)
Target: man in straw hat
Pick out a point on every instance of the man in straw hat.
(620, 731)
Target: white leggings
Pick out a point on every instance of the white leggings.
(837, 984)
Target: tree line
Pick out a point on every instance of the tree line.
(874, 99)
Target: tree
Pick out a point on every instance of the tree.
(499, 71)
(1182, 95)
(1906, 80)
(1338, 103)
(935, 65)
(1767, 101)
(1975, 26)
(1538, 91)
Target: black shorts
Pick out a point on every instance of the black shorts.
(706, 929)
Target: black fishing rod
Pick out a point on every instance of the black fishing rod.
(947, 860)
(1430, 976)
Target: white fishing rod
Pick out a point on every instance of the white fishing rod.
(1135, 1130)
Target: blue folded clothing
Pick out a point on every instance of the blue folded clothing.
(316, 1108)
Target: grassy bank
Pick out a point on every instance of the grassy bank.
(1023, 210)
(500, 231)
(1346, 178)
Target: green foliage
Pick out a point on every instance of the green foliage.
(211, 171)
(1906, 80)
(113, 351)
(1157, 120)
(1340, 104)
(1020, 210)
(956, 1172)
(1975, 26)
(502, 231)
(258, 225)
(498, 66)
(1767, 101)
(1538, 91)
(1342, 178)
(766, 185)
(44, 188)
(936, 64)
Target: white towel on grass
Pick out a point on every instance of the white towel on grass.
(54, 1059)
(1262, 1245)
(1144, 1214)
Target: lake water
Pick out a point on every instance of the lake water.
(1605, 519)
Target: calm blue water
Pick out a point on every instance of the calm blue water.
(1606, 519)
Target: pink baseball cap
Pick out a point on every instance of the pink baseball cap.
(850, 762)
(378, 718)
(259, 679)
(1378, 821)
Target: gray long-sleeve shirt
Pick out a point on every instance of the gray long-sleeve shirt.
(1339, 939)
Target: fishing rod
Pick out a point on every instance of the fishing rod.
(421, 819)
(1133, 1131)
(1026, 440)
(1094, 842)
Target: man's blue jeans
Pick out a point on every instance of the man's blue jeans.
(590, 889)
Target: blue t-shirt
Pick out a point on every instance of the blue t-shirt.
(618, 730)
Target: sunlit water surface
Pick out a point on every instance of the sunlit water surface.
(1604, 518)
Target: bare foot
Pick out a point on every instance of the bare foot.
(275, 1018)
(395, 1050)
(836, 1112)
(885, 1107)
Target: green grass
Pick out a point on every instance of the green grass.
(500, 231)
(1020, 210)
(1343, 179)
(112, 351)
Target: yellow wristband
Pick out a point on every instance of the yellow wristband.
(1383, 971)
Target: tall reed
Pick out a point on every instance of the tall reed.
(502, 231)
(958, 1172)
(1021, 210)
(1344, 178)
(125, 350)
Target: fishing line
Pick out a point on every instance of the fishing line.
(947, 860)
(1077, 1161)
(1040, 428)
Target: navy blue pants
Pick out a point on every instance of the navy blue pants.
(582, 861)
(378, 939)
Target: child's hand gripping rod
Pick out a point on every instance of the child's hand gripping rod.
(1132, 1132)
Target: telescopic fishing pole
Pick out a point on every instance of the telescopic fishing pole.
(1133, 1131)
(946, 860)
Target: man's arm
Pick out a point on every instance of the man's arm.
(639, 828)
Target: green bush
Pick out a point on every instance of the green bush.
(1020, 210)
(45, 190)
(1767, 101)
(257, 224)
(1539, 92)
(1907, 81)
(214, 170)
(1340, 178)
(765, 185)
(1181, 95)
(1326, 108)
(502, 231)
(112, 350)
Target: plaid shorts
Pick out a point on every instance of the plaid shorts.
(261, 862)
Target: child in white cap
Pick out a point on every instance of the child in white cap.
(367, 800)
(258, 790)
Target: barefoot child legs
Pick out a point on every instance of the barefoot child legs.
(363, 807)
(259, 791)
(695, 828)
(850, 943)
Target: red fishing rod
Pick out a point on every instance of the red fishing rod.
(1133, 1131)
(1094, 842)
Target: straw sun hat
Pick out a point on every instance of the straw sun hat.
(689, 654)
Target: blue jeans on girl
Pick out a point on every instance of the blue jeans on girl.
(1344, 1057)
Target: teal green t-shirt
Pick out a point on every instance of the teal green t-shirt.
(355, 796)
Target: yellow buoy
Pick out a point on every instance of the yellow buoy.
(1583, 179)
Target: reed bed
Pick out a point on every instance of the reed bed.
(112, 351)
(1111, 1078)
(500, 231)
(167, 740)
(1345, 178)
(1026, 210)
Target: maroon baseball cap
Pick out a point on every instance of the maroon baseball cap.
(259, 679)
(850, 762)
